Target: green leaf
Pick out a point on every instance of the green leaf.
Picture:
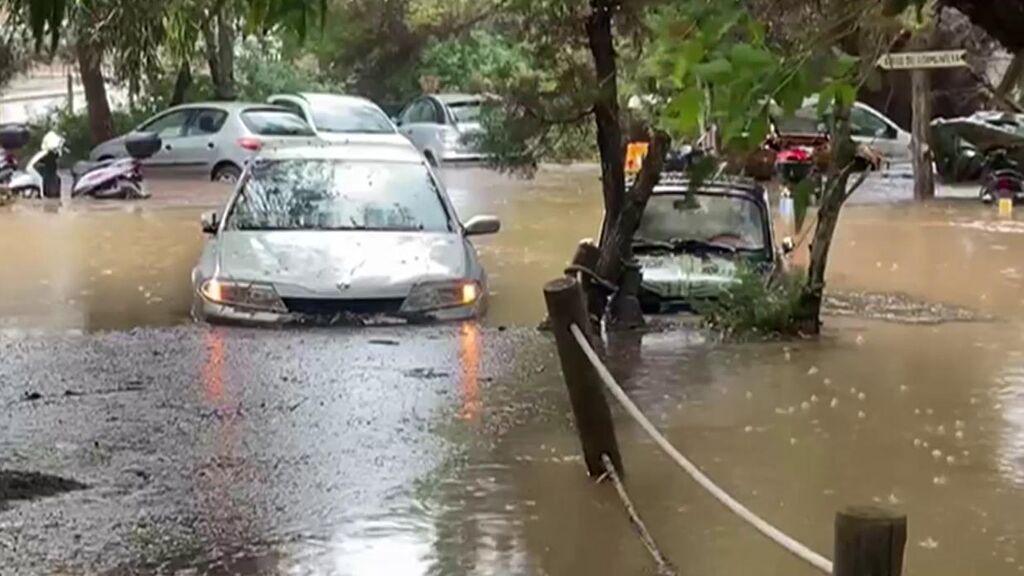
(686, 110)
(846, 94)
(713, 70)
(747, 55)
(802, 196)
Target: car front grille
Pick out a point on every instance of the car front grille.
(336, 306)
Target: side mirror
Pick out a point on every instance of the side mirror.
(210, 222)
(788, 246)
(482, 226)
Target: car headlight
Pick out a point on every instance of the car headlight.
(252, 295)
(428, 296)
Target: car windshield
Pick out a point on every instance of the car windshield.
(798, 124)
(710, 221)
(338, 195)
(466, 111)
(348, 119)
(276, 123)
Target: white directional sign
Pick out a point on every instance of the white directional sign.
(920, 60)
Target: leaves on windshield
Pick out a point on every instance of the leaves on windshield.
(336, 195)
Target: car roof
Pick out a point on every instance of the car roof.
(228, 106)
(335, 99)
(457, 98)
(672, 183)
(355, 152)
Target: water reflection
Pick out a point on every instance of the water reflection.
(469, 366)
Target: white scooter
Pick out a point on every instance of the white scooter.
(119, 179)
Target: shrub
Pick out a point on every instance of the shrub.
(755, 307)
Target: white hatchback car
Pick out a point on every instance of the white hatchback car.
(340, 119)
(340, 234)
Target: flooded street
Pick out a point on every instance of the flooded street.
(450, 449)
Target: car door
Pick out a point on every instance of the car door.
(418, 123)
(170, 126)
(197, 150)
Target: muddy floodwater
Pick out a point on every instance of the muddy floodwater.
(450, 450)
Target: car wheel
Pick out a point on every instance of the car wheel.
(227, 174)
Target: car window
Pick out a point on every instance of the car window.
(865, 124)
(292, 107)
(422, 112)
(170, 125)
(724, 219)
(275, 123)
(351, 119)
(206, 122)
(467, 111)
(339, 195)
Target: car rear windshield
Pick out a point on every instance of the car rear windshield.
(730, 220)
(275, 123)
(466, 111)
(339, 195)
(351, 120)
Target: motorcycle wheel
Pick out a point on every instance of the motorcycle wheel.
(28, 193)
(133, 191)
(987, 196)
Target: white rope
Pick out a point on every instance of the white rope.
(779, 537)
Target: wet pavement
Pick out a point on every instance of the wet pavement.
(449, 449)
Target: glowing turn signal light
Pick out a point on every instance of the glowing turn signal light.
(469, 293)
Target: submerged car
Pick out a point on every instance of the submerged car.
(691, 244)
(343, 119)
(445, 127)
(213, 140)
(339, 234)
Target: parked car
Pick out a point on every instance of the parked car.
(212, 140)
(690, 245)
(445, 127)
(342, 233)
(874, 130)
(343, 119)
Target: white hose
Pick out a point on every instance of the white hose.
(791, 545)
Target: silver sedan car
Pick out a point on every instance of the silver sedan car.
(340, 234)
(445, 127)
(213, 140)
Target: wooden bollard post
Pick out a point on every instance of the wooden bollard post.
(589, 406)
(869, 542)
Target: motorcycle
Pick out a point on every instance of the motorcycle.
(117, 179)
(1002, 178)
(12, 137)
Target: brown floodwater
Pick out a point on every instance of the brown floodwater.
(927, 419)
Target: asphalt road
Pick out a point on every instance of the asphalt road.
(208, 450)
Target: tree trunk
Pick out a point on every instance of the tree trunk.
(182, 84)
(219, 40)
(606, 112)
(226, 48)
(618, 246)
(812, 297)
(90, 67)
(921, 104)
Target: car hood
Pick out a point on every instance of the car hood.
(342, 264)
(681, 276)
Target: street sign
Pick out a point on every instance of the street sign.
(922, 60)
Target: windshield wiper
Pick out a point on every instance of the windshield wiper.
(647, 243)
(690, 243)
